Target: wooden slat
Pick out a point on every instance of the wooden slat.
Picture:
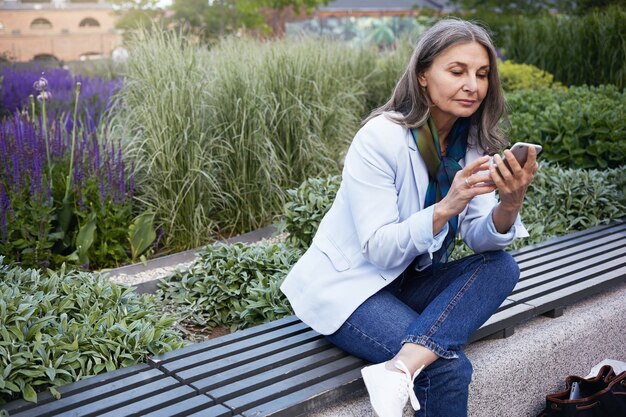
(303, 401)
(614, 240)
(505, 319)
(225, 340)
(186, 407)
(557, 280)
(554, 271)
(215, 411)
(259, 380)
(152, 401)
(74, 388)
(112, 402)
(95, 393)
(211, 379)
(571, 294)
(235, 348)
(292, 384)
(566, 241)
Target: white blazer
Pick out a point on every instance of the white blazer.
(377, 225)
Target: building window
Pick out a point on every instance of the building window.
(41, 23)
(91, 56)
(46, 58)
(89, 22)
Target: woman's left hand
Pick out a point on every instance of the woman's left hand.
(511, 179)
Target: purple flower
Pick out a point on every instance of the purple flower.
(36, 177)
(5, 207)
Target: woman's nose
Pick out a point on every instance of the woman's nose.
(470, 85)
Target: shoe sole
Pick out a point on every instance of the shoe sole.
(365, 375)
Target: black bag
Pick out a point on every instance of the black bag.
(601, 396)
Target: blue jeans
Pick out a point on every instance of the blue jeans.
(439, 311)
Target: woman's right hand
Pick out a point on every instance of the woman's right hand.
(469, 182)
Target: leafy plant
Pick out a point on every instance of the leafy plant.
(588, 49)
(583, 127)
(231, 285)
(95, 98)
(564, 200)
(60, 327)
(218, 135)
(560, 200)
(65, 193)
(525, 77)
(306, 207)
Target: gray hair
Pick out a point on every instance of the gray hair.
(411, 100)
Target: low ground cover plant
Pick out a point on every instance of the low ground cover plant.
(60, 327)
(306, 207)
(231, 285)
(238, 285)
(581, 127)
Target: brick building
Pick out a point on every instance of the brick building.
(65, 30)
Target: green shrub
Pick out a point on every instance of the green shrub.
(524, 77)
(584, 127)
(559, 201)
(589, 49)
(565, 200)
(306, 206)
(218, 135)
(60, 327)
(231, 285)
(388, 69)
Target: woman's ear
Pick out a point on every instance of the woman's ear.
(421, 78)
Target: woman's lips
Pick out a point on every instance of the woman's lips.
(466, 103)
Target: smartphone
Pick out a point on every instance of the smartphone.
(575, 393)
(520, 151)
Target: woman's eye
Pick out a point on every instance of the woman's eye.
(482, 75)
(456, 72)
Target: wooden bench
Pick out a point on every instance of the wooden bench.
(284, 368)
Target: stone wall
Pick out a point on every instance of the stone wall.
(64, 34)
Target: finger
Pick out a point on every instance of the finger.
(483, 188)
(475, 164)
(532, 157)
(479, 178)
(502, 168)
(483, 167)
(514, 166)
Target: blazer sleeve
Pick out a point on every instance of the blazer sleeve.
(369, 177)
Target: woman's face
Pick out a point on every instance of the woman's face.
(457, 81)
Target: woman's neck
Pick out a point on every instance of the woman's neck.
(443, 123)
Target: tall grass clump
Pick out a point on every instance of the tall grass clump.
(589, 49)
(163, 119)
(217, 136)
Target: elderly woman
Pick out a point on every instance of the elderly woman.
(376, 280)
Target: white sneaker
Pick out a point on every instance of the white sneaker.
(390, 390)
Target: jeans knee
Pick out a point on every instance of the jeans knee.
(505, 265)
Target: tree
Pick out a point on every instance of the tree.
(212, 18)
(535, 6)
(136, 14)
